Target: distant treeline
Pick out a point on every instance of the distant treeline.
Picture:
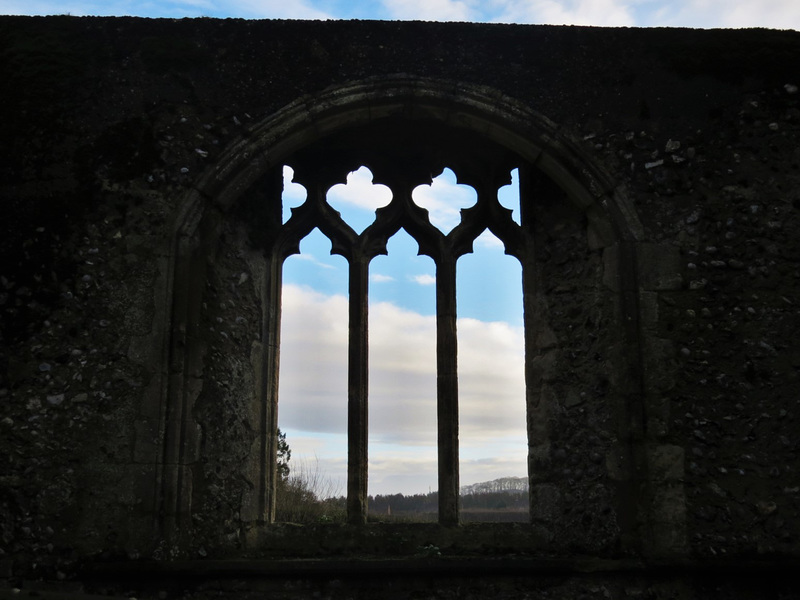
(512, 500)
(504, 484)
(479, 501)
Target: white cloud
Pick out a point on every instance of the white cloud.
(313, 361)
(780, 14)
(360, 192)
(425, 279)
(378, 278)
(491, 379)
(444, 199)
(358, 199)
(391, 471)
(488, 240)
(402, 343)
(430, 10)
(402, 364)
(508, 196)
(487, 469)
(81, 8)
(293, 195)
(777, 14)
(564, 12)
(272, 9)
(306, 256)
(402, 403)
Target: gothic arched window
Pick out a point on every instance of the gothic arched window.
(402, 158)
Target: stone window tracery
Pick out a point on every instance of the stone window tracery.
(406, 129)
(402, 169)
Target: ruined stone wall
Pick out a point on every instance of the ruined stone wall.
(718, 198)
(579, 401)
(106, 126)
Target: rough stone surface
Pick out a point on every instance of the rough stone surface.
(663, 376)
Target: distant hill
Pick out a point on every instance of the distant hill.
(504, 484)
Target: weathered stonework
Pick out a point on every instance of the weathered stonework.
(140, 282)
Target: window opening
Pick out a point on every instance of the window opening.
(443, 199)
(339, 211)
(359, 198)
(294, 194)
(491, 381)
(312, 410)
(402, 384)
(508, 196)
(418, 155)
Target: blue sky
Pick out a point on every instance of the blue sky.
(779, 14)
(402, 336)
(402, 345)
(399, 276)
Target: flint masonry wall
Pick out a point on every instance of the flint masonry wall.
(667, 365)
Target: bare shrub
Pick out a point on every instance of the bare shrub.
(307, 495)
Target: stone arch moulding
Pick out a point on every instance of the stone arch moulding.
(246, 165)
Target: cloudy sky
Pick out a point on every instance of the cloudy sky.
(402, 335)
(402, 400)
(780, 14)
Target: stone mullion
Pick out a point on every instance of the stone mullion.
(447, 389)
(268, 476)
(535, 426)
(538, 435)
(357, 387)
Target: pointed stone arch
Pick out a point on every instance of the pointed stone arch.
(551, 164)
